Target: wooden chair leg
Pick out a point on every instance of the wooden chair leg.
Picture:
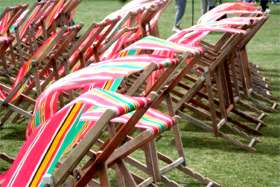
(129, 180)
(152, 161)
(179, 143)
(104, 180)
(203, 125)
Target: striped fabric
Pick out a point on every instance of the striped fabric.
(88, 45)
(188, 38)
(133, 19)
(139, 8)
(96, 75)
(56, 9)
(228, 8)
(34, 15)
(161, 48)
(43, 149)
(157, 44)
(25, 68)
(132, 6)
(9, 17)
(235, 21)
(215, 27)
(152, 120)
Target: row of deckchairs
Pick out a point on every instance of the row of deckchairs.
(100, 41)
(29, 25)
(206, 83)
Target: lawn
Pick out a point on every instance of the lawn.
(211, 156)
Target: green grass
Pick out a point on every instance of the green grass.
(211, 156)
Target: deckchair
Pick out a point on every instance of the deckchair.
(160, 45)
(150, 125)
(48, 71)
(142, 17)
(151, 17)
(28, 84)
(190, 96)
(22, 31)
(234, 74)
(38, 24)
(67, 14)
(8, 18)
(42, 151)
(151, 14)
(253, 83)
(90, 43)
(86, 77)
(237, 100)
(238, 22)
(53, 19)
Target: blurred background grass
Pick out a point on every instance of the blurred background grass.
(211, 156)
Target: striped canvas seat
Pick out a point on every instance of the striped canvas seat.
(95, 75)
(153, 120)
(215, 28)
(9, 16)
(193, 35)
(43, 149)
(228, 8)
(157, 44)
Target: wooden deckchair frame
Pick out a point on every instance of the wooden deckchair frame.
(28, 43)
(16, 11)
(160, 83)
(22, 47)
(253, 84)
(232, 81)
(40, 74)
(150, 149)
(83, 147)
(199, 84)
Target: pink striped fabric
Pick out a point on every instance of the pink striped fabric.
(228, 8)
(92, 76)
(31, 163)
(153, 120)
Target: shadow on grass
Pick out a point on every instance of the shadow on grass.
(208, 142)
(270, 72)
(221, 144)
(13, 133)
(268, 149)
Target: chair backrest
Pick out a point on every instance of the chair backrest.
(27, 69)
(44, 148)
(50, 71)
(141, 17)
(89, 43)
(92, 76)
(86, 143)
(107, 75)
(126, 31)
(228, 8)
(66, 17)
(23, 25)
(9, 16)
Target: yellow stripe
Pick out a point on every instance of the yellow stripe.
(53, 147)
(108, 85)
